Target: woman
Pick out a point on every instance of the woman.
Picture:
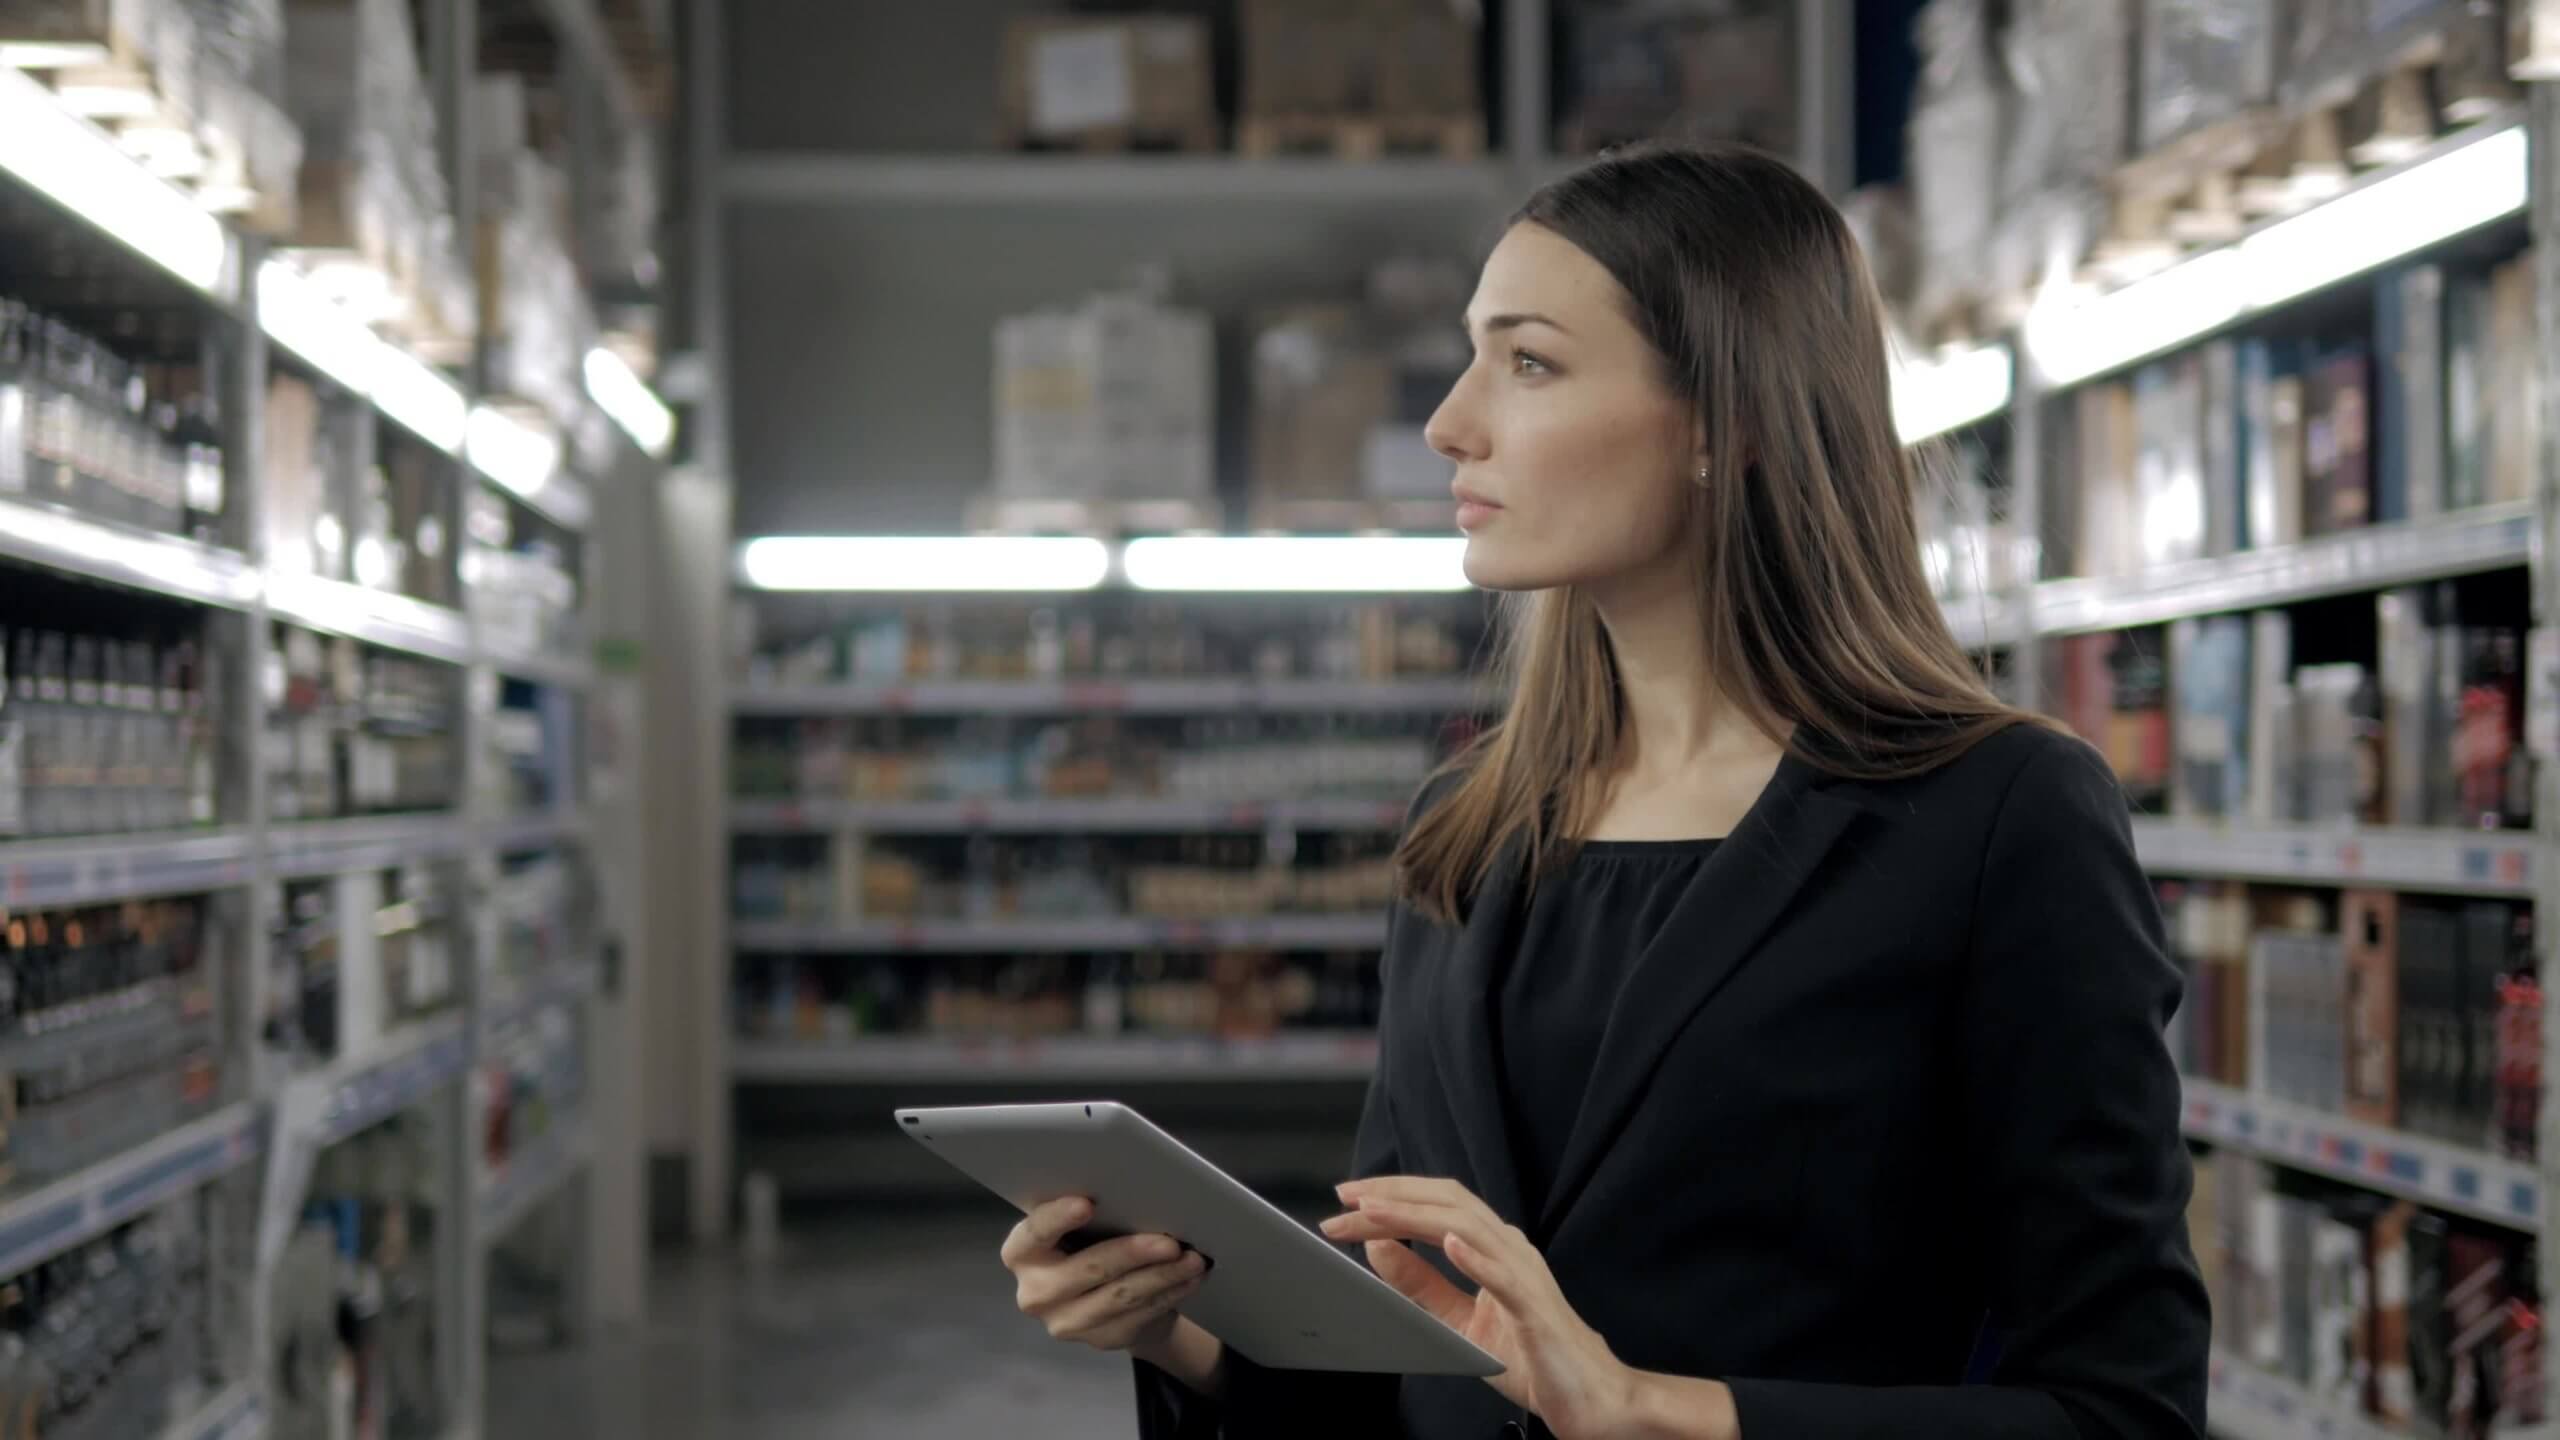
(1772, 1042)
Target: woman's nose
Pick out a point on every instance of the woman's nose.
(1452, 430)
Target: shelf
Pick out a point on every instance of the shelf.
(410, 1066)
(1136, 815)
(234, 1414)
(94, 869)
(2431, 1172)
(2462, 542)
(533, 1175)
(938, 1060)
(1061, 936)
(376, 617)
(1108, 182)
(535, 830)
(92, 1026)
(37, 534)
(1981, 622)
(1128, 697)
(81, 1207)
(2453, 862)
(568, 672)
(2243, 1402)
(307, 849)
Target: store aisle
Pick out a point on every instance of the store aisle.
(873, 1324)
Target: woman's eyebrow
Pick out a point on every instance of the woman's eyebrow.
(1514, 319)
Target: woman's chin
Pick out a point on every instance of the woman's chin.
(1488, 568)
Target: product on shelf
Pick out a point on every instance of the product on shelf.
(98, 1342)
(2409, 1012)
(104, 732)
(401, 924)
(1691, 70)
(1969, 544)
(83, 426)
(105, 1030)
(1353, 79)
(1106, 83)
(1230, 994)
(850, 879)
(531, 735)
(355, 1296)
(301, 1024)
(2203, 61)
(533, 312)
(531, 1079)
(2377, 1307)
(1109, 399)
(352, 730)
(1147, 639)
(2068, 70)
(540, 907)
(519, 577)
(2113, 688)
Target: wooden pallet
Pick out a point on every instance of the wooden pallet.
(1196, 138)
(1361, 137)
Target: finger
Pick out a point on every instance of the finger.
(1414, 1278)
(1119, 1334)
(1415, 1189)
(1127, 1295)
(1044, 1226)
(1493, 1275)
(1063, 1278)
(1360, 1225)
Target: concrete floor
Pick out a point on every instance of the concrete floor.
(886, 1323)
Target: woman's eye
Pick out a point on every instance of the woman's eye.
(1524, 363)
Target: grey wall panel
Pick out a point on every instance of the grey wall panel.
(860, 340)
(873, 75)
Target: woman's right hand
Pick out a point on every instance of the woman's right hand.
(1116, 1295)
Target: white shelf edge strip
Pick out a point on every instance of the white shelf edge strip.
(237, 1413)
(2373, 558)
(412, 1065)
(79, 1207)
(377, 617)
(81, 168)
(44, 873)
(300, 848)
(161, 564)
(302, 318)
(2432, 1172)
(1314, 931)
(2476, 179)
(946, 1058)
(1102, 695)
(2468, 862)
(2243, 1402)
(1027, 816)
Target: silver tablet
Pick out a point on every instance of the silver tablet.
(1281, 1294)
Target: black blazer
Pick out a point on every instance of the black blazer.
(1885, 1109)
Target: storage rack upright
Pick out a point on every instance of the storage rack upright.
(79, 207)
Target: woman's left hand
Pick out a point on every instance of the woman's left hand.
(1553, 1364)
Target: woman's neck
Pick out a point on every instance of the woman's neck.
(1677, 716)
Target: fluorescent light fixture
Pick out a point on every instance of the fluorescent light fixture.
(80, 167)
(51, 54)
(518, 456)
(105, 94)
(417, 395)
(1951, 389)
(2070, 338)
(632, 404)
(911, 562)
(1362, 563)
(2396, 215)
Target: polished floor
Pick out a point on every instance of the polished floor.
(872, 1324)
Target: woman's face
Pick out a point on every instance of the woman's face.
(1573, 454)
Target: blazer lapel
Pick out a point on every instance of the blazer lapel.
(1744, 888)
(1463, 1020)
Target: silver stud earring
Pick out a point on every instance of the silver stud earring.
(1702, 472)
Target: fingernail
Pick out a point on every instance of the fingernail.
(1164, 1247)
(1198, 1263)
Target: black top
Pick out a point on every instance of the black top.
(1882, 1130)
(1585, 927)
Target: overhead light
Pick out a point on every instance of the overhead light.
(51, 54)
(1359, 563)
(517, 455)
(1949, 390)
(105, 92)
(2070, 338)
(80, 167)
(299, 315)
(628, 399)
(2396, 215)
(918, 562)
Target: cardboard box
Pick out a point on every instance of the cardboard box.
(1108, 82)
(1320, 387)
(1112, 400)
(2203, 61)
(1696, 72)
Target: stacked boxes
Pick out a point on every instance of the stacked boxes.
(532, 305)
(1106, 83)
(1112, 399)
(1693, 70)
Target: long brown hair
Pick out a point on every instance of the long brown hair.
(1820, 622)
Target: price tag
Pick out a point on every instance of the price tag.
(1091, 696)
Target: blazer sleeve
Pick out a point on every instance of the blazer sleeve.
(2079, 1175)
(1292, 1403)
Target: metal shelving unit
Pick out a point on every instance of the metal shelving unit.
(1121, 697)
(1131, 816)
(935, 1060)
(2447, 862)
(2431, 1172)
(1067, 934)
(278, 1120)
